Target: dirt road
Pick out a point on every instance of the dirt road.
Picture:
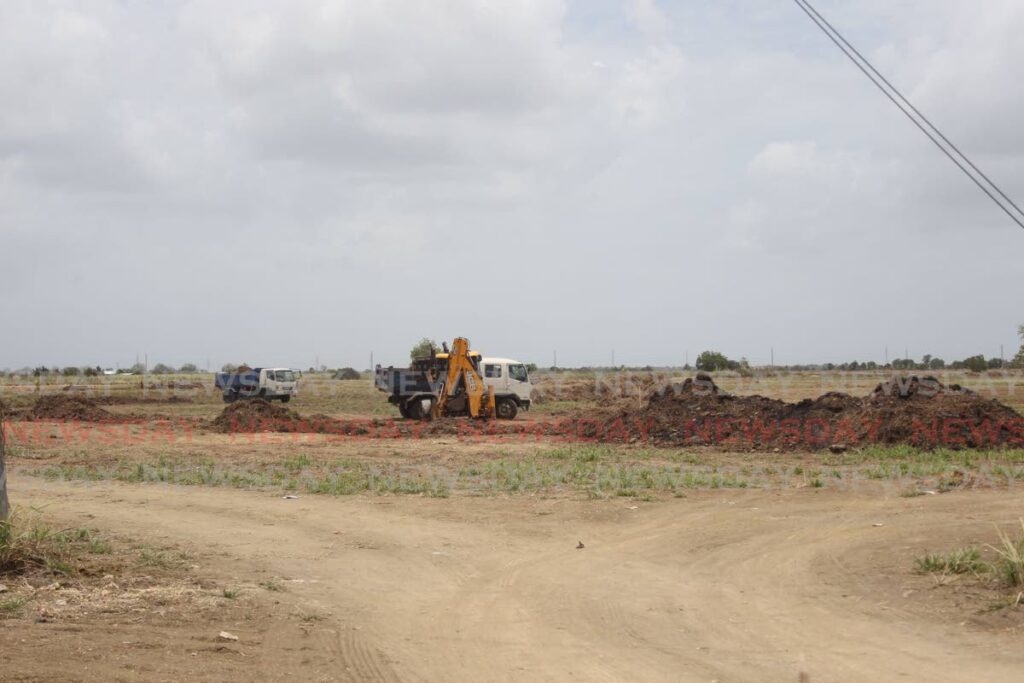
(721, 585)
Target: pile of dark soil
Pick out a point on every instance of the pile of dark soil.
(918, 411)
(67, 407)
(256, 415)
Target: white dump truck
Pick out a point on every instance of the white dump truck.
(266, 383)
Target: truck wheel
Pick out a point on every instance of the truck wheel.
(506, 409)
(414, 409)
(231, 397)
(403, 410)
(285, 399)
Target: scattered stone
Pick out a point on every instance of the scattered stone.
(229, 637)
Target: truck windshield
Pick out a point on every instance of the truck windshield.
(518, 372)
(285, 376)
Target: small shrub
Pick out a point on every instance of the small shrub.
(347, 373)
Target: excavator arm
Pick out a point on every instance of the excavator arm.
(464, 376)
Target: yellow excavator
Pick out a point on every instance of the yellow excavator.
(450, 383)
(463, 391)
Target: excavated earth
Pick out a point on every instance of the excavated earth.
(256, 415)
(67, 407)
(918, 411)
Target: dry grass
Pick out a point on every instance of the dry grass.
(26, 543)
(1008, 565)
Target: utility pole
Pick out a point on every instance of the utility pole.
(5, 506)
(687, 357)
(613, 358)
(555, 363)
(773, 357)
(887, 355)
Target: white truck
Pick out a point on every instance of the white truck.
(266, 383)
(415, 388)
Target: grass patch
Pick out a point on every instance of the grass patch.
(26, 544)
(160, 559)
(12, 606)
(962, 561)
(1008, 566)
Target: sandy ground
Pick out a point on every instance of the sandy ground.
(720, 585)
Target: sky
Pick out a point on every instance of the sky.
(286, 183)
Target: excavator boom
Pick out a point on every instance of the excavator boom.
(463, 382)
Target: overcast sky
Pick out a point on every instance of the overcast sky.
(280, 181)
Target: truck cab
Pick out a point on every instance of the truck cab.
(510, 382)
(266, 383)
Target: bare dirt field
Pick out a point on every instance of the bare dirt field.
(388, 555)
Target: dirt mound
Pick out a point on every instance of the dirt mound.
(256, 415)
(915, 411)
(67, 407)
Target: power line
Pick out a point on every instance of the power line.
(909, 110)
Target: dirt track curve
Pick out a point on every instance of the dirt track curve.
(727, 586)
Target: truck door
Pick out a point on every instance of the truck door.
(495, 376)
(519, 380)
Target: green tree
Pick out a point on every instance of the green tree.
(709, 361)
(161, 369)
(976, 363)
(188, 369)
(347, 373)
(425, 348)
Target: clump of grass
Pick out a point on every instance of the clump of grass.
(1008, 566)
(962, 561)
(12, 605)
(272, 586)
(160, 559)
(26, 543)
(231, 593)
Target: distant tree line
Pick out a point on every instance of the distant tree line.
(707, 361)
(95, 371)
